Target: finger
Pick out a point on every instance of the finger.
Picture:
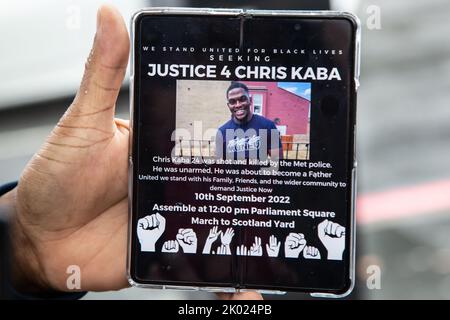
(186, 231)
(190, 234)
(291, 244)
(153, 221)
(161, 221)
(240, 296)
(122, 125)
(275, 241)
(190, 239)
(143, 223)
(340, 231)
(328, 228)
(334, 227)
(94, 103)
(149, 223)
(296, 236)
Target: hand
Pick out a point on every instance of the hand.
(226, 237)
(71, 201)
(311, 253)
(273, 247)
(241, 250)
(170, 246)
(256, 249)
(294, 244)
(223, 250)
(332, 236)
(213, 235)
(187, 240)
(149, 230)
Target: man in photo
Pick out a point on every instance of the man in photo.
(246, 135)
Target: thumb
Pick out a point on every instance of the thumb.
(93, 107)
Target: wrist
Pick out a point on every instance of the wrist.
(335, 255)
(26, 275)
(148, 247)
(207, 247)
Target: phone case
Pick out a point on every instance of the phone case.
(235, 13)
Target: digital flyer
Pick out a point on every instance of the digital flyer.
(243, 152)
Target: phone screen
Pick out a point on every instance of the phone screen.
(242, 157)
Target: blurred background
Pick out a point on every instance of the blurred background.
(403, 140)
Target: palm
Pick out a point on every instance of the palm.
(83, 220)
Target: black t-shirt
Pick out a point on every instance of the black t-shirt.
(255, 139)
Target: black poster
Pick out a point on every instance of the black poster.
(243, 151)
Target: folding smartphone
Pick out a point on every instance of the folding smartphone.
(242, 156)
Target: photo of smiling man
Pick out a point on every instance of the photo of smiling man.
(246, 135)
